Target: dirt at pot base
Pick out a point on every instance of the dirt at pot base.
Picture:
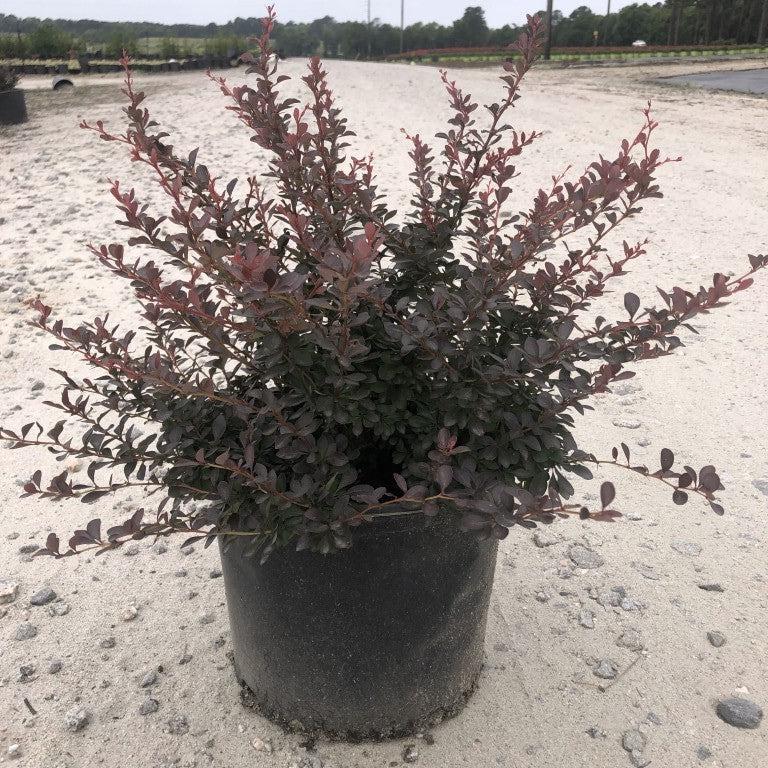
(250, 700)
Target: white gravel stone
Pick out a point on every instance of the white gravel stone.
(8, 591)
(25, 631)
(76, 719)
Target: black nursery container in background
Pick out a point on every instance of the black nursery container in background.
(13, 106)
(358, 405)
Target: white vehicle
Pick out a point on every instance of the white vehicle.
(639, 44)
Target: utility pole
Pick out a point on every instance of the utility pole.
(368, 6)
(607, 22)
(548, 43)
(763, 23)
(402, 22)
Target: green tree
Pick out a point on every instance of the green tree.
(471, 29)
(169, 48)
(122, 39)
(47, 41)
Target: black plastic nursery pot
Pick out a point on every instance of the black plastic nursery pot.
(375, 641)
(13, 107)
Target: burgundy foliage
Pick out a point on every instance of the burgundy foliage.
(307, 361)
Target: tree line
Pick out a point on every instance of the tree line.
(672, 22)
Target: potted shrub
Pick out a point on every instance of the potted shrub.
(13, 107)
(357, 407)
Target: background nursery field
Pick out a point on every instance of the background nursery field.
(608, 645)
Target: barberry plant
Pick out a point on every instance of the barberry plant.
(308, 361)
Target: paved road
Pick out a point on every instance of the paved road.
(746, 81)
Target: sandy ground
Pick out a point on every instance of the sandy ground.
(538, 705)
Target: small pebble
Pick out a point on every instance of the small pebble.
(59, 608)
(703, 753)
(108, 642)
(583, 557)
(43, 596)
(739, 712)
(716, 639)
(26, 673)
(633, 741)
(606, 669)
(8, 592)
(129, 613)
(25, 631)
(630, 604)
(712, 587)
(263, 745)
(14, 751)
(54, 667)
(149, 706)
(207, 618)
(215, 573)
(609, 597)
(587, 619)
(131, 549)
(410, 753)
(149, 679)
(627, 423)
(630, 638)
(76, 719)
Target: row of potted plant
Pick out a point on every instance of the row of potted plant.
(573, 50)
(52, 67)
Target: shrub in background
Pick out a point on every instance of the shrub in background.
(8, 79)
(308, 362)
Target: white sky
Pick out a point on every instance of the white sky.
(498, 12)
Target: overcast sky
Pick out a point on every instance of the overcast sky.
(498, 12)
